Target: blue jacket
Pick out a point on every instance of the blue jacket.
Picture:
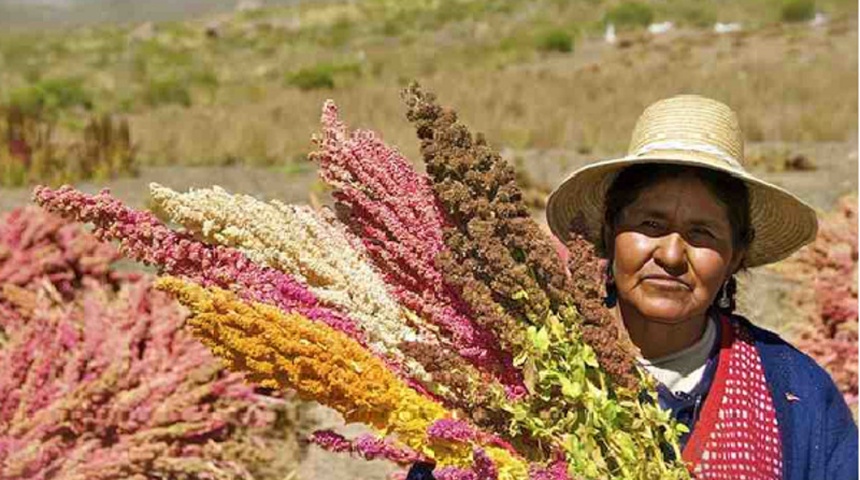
(818, 433)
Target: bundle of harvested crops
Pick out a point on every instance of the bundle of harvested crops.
(430, 307)
(98, 380)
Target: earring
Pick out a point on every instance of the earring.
(724, 301)
(611, 298)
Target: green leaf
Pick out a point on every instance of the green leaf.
(570, 389)
(589, 357)
(625, 443)
(541, 340)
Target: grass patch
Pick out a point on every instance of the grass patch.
(166, 91)
(630, 15)
(555, 40)
(51, 95)
(798, 10)
(699, 14)
(322, 75)
(339, 33)
(30, 153)
(313, 78)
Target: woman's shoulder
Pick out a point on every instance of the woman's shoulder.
(818, 432)
(785, 365)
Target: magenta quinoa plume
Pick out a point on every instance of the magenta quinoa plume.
(143, 237)
(381, 198)
(391, 207)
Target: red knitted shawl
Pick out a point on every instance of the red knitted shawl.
(737, 434)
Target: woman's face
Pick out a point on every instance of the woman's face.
(672, 250)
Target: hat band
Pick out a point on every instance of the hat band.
(693, 147)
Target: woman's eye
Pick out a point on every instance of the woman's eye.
(650, 224)
(703, 232)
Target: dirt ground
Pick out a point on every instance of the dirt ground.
(763, 291)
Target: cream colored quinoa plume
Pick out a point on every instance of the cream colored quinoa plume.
(699, 132)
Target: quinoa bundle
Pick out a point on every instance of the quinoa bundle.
(430, 307)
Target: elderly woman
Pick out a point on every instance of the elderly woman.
(676, 219)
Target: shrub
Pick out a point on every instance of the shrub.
(556, 40)
(339, 32)
(107, 149)
(165, 91)
(392, 28)
(798, 10)
(205, 77)
(29, 153)
(51, 95)
(322, 75)
(630, 14)
(27, 148)
(318, 77)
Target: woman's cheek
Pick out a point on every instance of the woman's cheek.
(632, 251)
(711, 269)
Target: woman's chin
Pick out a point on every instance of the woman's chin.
(665, 311)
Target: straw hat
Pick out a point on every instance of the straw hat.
(695, 131)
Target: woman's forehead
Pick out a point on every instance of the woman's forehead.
(679, 194)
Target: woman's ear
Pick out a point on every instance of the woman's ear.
(737, 262)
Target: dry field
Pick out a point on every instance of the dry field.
(788, 83)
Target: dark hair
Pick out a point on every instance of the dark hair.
(729, 191)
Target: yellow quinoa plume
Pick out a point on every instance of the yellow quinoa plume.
(289, 351)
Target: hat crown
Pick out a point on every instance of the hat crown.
(689, 122)
(699, 132)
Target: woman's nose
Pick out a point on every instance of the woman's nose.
(671, 254)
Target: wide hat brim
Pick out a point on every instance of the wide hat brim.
(782, 222)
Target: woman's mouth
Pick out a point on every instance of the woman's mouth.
(666, 282)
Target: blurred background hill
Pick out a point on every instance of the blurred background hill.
(48, 14)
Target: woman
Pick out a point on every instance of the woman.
(676, 219)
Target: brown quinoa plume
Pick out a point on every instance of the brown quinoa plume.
(614, 350)
(497, 251)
